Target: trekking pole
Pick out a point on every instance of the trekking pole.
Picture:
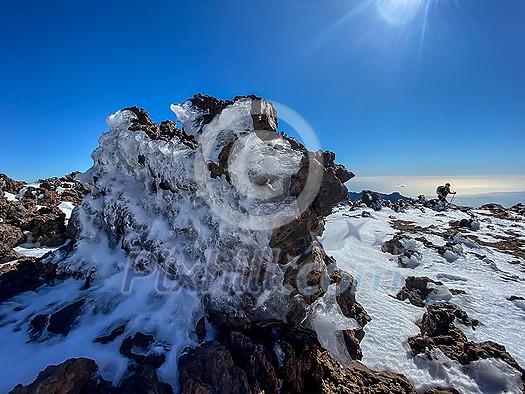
(452, 199)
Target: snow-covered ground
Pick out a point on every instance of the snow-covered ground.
(355, 242)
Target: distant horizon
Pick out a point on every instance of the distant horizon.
(472, 190)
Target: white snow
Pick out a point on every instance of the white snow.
(67, 208)
(34, 250)
(10, 196)
(393, 322)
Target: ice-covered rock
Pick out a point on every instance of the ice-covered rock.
(191, 231)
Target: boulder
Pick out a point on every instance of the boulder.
(439, 330)
(394, 246)
(416, 290)
(144, 380)
(26, 276)
(63, 320)
(68, 377)
(139, 348)
(10, 185)
(209, 368)
(10, 236)
(371, 199)
(48, 227)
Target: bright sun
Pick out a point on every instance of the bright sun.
(398, 12)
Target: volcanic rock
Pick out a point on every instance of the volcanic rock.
(63, 320)
(27, 275)
(144, 380)
(68, 377)
(438, 330)
(139, 349)
(48, 227)
(394, 246)
(416, 290)
(209, 368)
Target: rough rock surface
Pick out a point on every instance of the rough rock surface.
(69, 377)
(31, 214)
(301, 365)
(10, 236)
(48, 227)
(27, 275)
(78, 376)
(438, 330)
(416, 290)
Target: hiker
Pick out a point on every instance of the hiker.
(443, 191)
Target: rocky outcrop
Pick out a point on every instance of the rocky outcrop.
(69, 377)
(371, 200)
(394, 246)
(296, 363)
(48, 227)
(416, 290)
(78, 376)
(31, 214)
(27, 275)
(439, 330)
(10, 236)
(470, 224)
(10, 185)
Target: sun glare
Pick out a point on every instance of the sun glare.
(398, 12)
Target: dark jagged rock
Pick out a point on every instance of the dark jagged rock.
(16, 213)
(366, 214)
(78, 376)
(69, 377)
(438, 330)
(35, 210)
(38, 324)
(438, 390)
(345, 297)
(394, 246)
(242, 365)
(518, 208)
(470, 224)
(27, 275)
(48, 227)
(10, 236)
(416, 290)
(144, 380)
(209, 368)
(255, 361)
(10, 185)
(63, 320)
(114, 334)
(166, 130)
(200, 329)
(139, 349)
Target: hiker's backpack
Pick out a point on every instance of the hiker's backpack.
(440, 189)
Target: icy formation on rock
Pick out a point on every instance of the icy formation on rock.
(187, 234)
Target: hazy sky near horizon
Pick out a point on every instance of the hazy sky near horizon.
(394, 87)
(412, 186)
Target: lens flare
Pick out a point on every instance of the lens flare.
(398, 12)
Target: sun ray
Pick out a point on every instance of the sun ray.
(424, 29)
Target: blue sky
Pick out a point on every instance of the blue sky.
(388, 99)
